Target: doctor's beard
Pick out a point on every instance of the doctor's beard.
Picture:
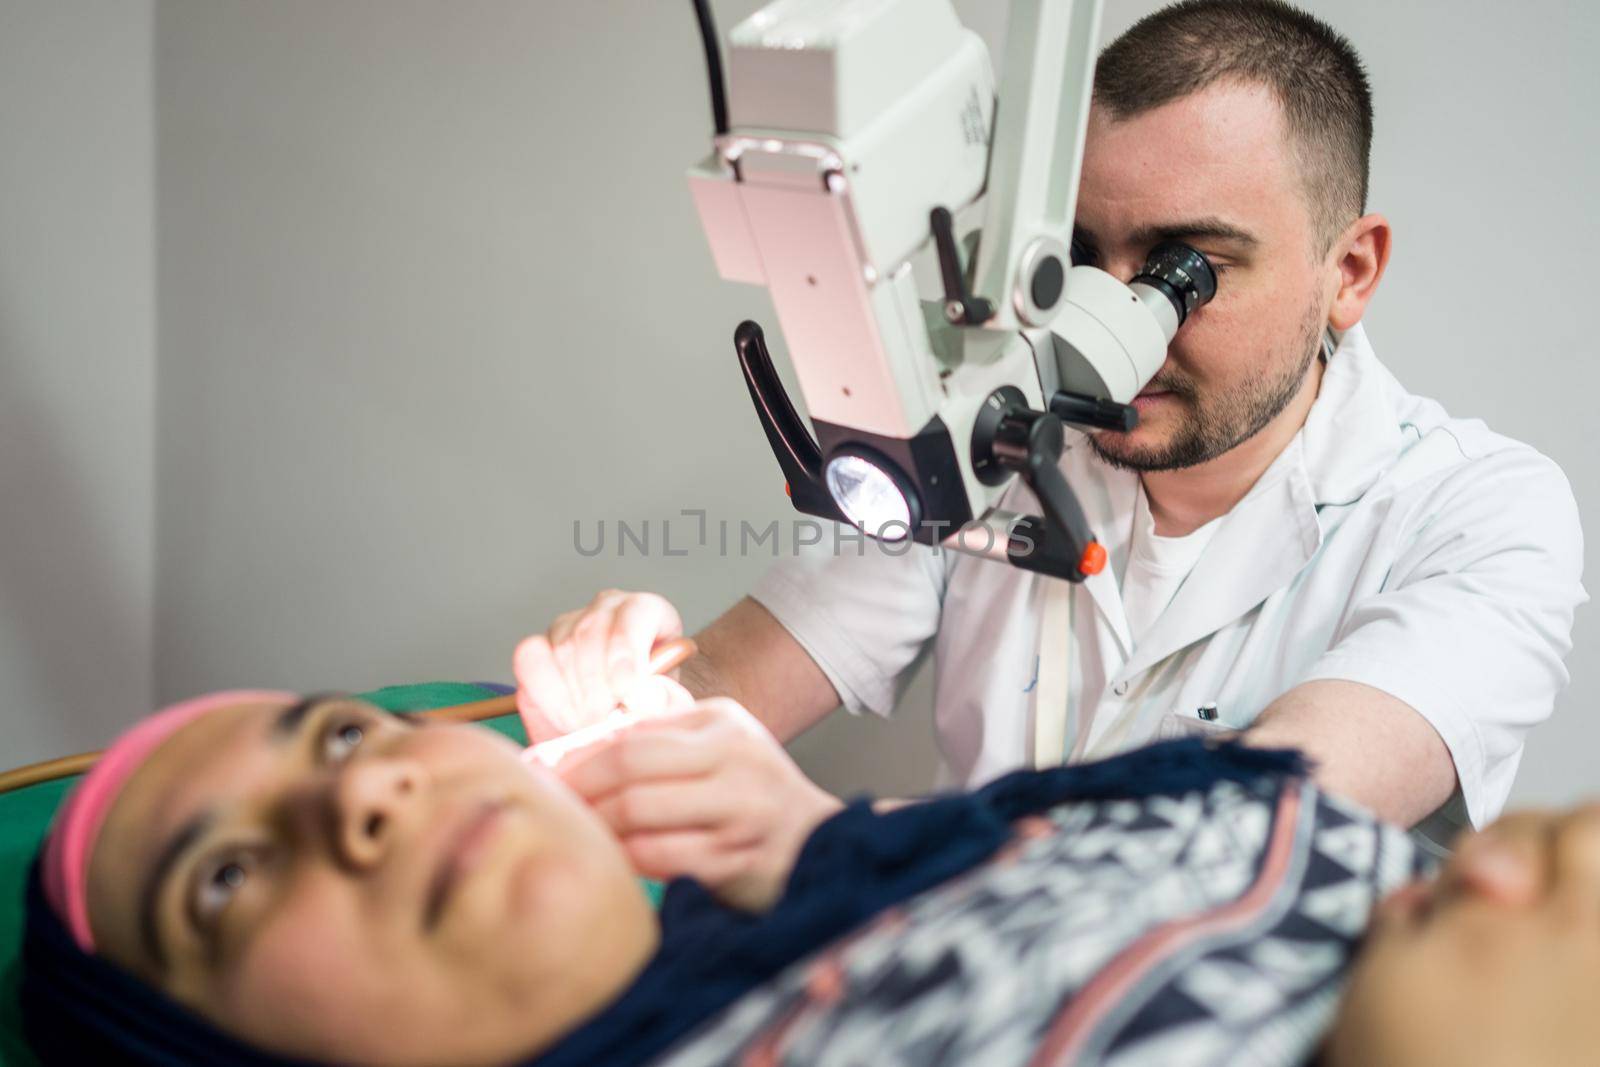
(1208, 426)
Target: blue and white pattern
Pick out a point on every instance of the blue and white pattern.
(1212, 927)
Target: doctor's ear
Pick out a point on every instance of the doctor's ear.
(1358, 257)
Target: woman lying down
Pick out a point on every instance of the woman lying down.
(256, 879)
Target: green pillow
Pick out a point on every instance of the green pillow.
(25, 816)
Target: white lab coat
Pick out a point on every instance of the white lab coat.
(1388, 544)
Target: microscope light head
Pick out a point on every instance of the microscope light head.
(872, 495)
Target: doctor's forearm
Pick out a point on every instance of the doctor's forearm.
(747, 655)
(1366, 745)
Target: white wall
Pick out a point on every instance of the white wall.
(431, 288)
(77, 372)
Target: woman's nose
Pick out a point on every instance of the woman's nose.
(1577, 859)
(374, 797)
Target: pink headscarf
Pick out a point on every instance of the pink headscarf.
(65, 863)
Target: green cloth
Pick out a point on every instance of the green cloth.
(25, 816)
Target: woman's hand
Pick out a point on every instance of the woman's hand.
(590, 661)
(703, 791)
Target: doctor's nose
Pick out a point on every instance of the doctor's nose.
(1123, 268)
(373, 798)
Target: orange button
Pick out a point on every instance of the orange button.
(1094, 558)
(786, 491)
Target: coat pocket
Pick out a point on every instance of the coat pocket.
(1179, 724)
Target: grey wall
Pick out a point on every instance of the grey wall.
(431, 289)
(77, 372)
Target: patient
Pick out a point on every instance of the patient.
(315, 880)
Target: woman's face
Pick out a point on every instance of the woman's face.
(328, 881)
(1497, 961)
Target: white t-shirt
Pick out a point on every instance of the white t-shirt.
(1156, 568)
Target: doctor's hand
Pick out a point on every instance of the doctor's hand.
(704, 791)
(590, 661)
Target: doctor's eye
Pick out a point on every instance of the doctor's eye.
(341, 738)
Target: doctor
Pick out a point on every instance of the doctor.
(1299, 547)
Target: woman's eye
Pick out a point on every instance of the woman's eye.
(341, 740)
(218, 888)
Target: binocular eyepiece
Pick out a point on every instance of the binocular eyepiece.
(1181, 274)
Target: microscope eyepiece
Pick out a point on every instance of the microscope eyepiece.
(1180, 273)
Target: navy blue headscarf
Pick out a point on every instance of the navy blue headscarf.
(80, 1009)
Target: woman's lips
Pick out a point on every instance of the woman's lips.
(1410, 905)
(464, 849)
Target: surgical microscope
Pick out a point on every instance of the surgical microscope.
(855, 136)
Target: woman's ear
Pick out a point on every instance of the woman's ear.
(1359, 257)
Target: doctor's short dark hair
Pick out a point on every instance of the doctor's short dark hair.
(1314, 72)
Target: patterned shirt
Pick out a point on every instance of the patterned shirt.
(1210, 928)
(1212, 924)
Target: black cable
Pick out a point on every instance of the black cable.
(708, 37)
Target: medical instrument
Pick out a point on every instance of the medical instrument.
(858, 140)
(667, 656)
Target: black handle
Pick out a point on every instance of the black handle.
(1009, 435)
(1064, 514)
(1095, 412)
(960, 305)
(791, 441)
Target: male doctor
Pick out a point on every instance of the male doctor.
(1299, 548)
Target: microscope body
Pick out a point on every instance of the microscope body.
(859, 137)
